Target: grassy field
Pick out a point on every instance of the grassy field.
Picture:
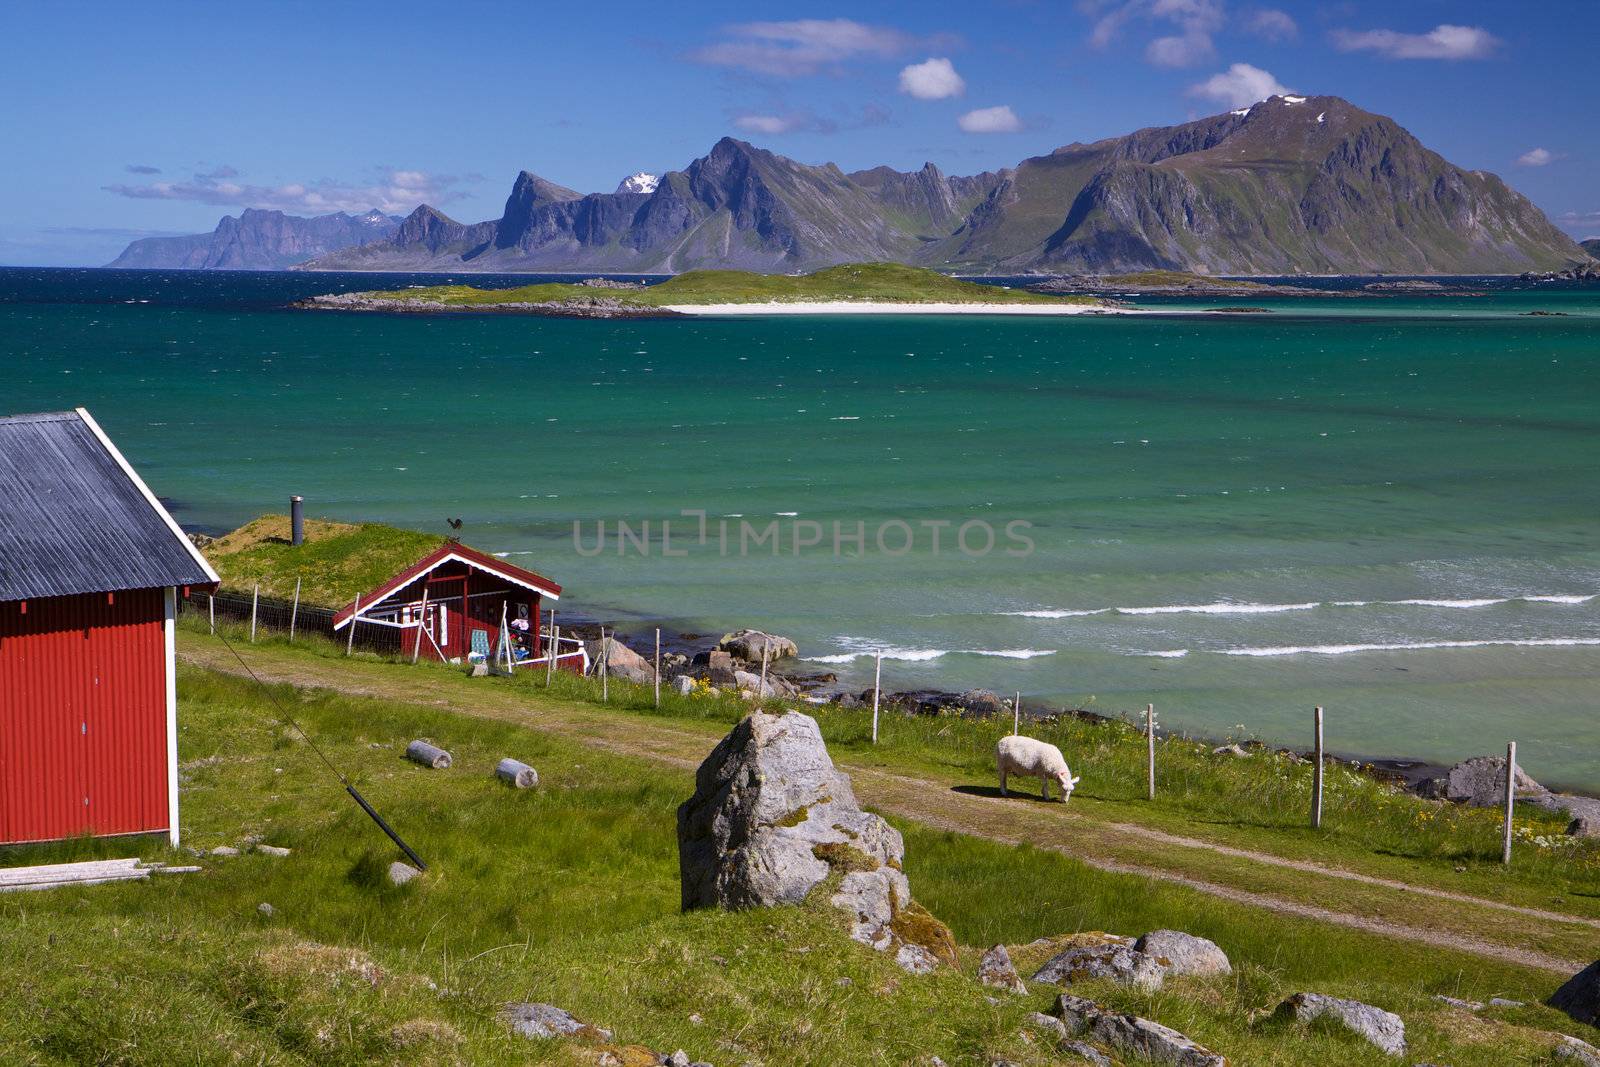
(568, 893)
(337, 561)
(877, 282)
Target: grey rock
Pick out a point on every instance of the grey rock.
(679, 1058)
(916, 959)
(1575, 1051)
(272, 850)
(1456, 1002)
(870, 899)
(765, 798)
(547, 1020)
(1049, 1024)
(1237, 751)
(224, 850)
(1184, 954)
(1085, 1052)
(683, 684)
(1584, 826)
(719, 666)
(984, 703)
(267, 910)
(1115, 959)
(1481, 782)
(996, 970)
(750, 645)
(1502, 1002)
(621, 661)
(775, 686)
(1133, 1036)
(401, 873)
(1385, 1030)
(1579, 996)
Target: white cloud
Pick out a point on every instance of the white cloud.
(1272, 25)
(1239, 86)
(1537, 157)
(1194, 20)
(1442, 42)
(394, 192)
(990, 120)
(771, 124)
(801, 46)
(932, 79)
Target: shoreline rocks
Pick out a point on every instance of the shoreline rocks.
(598, 307)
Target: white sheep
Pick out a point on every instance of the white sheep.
(1032, 758)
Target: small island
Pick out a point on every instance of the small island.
(855, 288)
(1168, 283)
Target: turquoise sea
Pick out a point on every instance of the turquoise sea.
(1386, 505)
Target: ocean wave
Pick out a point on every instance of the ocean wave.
(1410, 646)
(1166, 653)
(923, 655)
(1231, 607)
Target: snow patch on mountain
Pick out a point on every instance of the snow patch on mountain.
(639, 183)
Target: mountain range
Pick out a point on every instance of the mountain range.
(1292, 184)
(259, 240)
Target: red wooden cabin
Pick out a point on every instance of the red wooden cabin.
(443, 598)
(91, 566)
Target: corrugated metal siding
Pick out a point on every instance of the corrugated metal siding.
(83, 717)
(71, 521)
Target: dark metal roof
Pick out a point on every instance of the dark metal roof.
(75, 518)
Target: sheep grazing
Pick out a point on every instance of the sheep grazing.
(1033, 758)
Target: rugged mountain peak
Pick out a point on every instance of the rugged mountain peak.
(529, 193)
(641, 182)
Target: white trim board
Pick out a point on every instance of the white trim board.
(361, 612)
(150, 498)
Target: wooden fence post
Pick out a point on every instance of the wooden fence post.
(877, 684)
(350, 638)
(1316, 771)
(1150, 744)
(1016, 715)
(658, 667)
(1511, 799)
(422, 624)
(211, 610)
(605, 667)
(294, 612)
(553, 651)
(255, 598)
(761, 694)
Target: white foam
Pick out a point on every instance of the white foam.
(863, 650)
(1055, 613)
(1222, 608)
(1167, 653)
(1344, 650)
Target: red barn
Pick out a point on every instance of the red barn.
(91, 566)
(455, 591)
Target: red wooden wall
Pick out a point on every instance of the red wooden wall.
(83, 716)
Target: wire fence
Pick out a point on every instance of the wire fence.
(283, 617)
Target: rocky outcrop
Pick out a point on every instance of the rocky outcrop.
(1579, 996)
(771, 819)
(1383, 1029)
(1481, 783)
(1133, 1036)
(1184, 954)
(547, 1020)
(1103, 956)
(751, 645)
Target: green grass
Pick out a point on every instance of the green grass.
(879, 282)
(568, 893)
(337, 560)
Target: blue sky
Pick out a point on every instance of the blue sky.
(122, 120)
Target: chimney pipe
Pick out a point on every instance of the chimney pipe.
(297, 520)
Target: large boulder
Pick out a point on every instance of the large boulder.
(750, 681)
(772, 818)
(996, 970)
(1579, 997)
(1184, 954)
(1481, 783)
(621, 661)
(1104, 956)
(751, 645)
(1383, 1029)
